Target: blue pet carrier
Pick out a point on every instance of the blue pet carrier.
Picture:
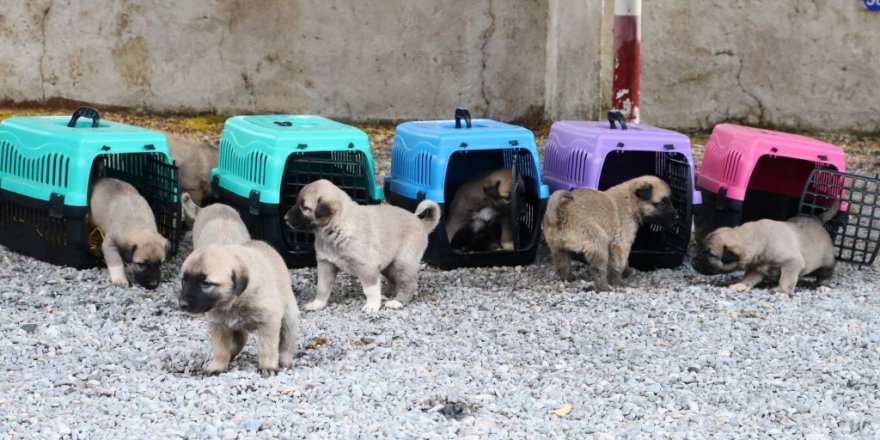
(432, 159)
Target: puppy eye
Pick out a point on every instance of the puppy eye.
(206, 284)
(306, 209)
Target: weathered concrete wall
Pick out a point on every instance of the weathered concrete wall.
(343, 58)
(800, 63)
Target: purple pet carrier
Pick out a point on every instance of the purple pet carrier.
(599, 155)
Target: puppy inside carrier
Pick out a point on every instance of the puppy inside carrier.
(750, 174)
(599, 155)
(266, 160)
(442, 160)
(48, 164)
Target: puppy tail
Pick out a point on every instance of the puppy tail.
(830, 212)
(559, 200)
(190, 209)
(429, 213)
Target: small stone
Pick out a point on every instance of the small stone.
(253, 425)
(30, 328)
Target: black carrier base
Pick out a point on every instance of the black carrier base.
(32, 227)
(441, 255)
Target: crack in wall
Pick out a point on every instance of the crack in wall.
(761, 109)
(43, 21)
(487, 34)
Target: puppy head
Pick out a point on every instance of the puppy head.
(212, 275)
(497, 185)
(653, 202)
(721, 252)
(316, 206)
(143, 253)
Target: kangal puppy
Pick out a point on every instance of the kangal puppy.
(364, 241)
(214, 224)
(195, 159)
(243, 289)
(130, 236)
(600, 226)
(772, 250)
(479, 213)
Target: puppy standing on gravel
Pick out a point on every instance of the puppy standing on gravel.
(600, 226)
(364, 241)
(480, 209)
(214, 224)
(130, 235)
(243, 288)
(772, 250)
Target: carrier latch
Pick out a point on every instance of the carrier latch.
(56, 205)
(254, 202)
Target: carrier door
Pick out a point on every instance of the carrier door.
(677, 174)
(161, 188)
(855, 229)
(514, 204)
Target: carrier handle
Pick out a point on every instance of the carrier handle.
(616, 116)
(462, 113)
(89, 113)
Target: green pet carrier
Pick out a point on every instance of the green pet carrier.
(265, 160)
(47, 164)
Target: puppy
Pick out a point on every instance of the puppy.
(772, 250)
(243, 288)
(214, 224)
(364, 241)
(195, 160)
(600, 226)
(477, 207)
(130, 236)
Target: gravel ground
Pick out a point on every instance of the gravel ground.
(487, 353)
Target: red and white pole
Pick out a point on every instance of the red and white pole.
(627, 46)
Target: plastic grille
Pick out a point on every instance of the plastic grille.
(856, 229)
(346, 169)
(251, 167)
(49, 169)
(162, 193)
(677, 175)
(51, 230)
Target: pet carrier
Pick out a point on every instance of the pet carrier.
(856, 230)
(432, 159)
(265, 160)
(46, 166)
(749, 174)
(599, 155)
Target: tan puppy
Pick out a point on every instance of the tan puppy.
(243, 289)
(130, 236)
(772, 250)
(195, 160)
(364, 241)
(214, 224)
(479, 209)
(600, 226)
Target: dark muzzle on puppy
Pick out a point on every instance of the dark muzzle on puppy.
(665, 214)
(193, 298)
(297, 219)
(148, 273)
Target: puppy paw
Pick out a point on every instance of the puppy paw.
(285, 363)
(315, 305)
(823, 289)
(738, 287)
(215, 368)
(119, 281)
(268, 372)
(372, 307)
(508, 246)
(782, 295)
(393, 304)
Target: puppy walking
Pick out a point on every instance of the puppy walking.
(214, 224)
(364, 241)
(772, 250)
(196, 159)
(600, 226)
(130, 236)
(243, 288)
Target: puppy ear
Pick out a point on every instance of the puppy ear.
(326, 208)
(167, 249)
(728, 256)
(644, 192)
(126, 251)
(239, 279)
(190, 209)
(493, 189)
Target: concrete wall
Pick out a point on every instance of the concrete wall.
(798, 63)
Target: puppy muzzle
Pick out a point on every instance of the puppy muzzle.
(296, 220)
(702, 265)
(148, 278)
(191, 299)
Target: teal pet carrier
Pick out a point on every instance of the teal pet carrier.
(265, 160)
(47, 164)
